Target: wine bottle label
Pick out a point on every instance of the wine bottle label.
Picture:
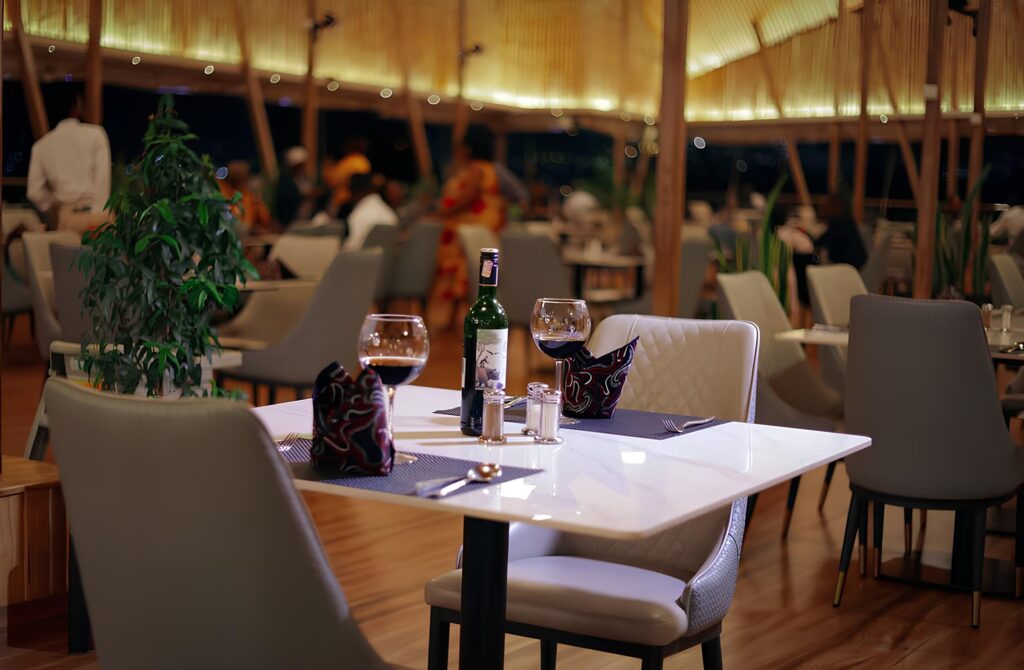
(491, 358)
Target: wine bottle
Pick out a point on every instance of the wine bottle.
(484, 345)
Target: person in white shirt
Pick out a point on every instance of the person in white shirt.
(69, 172)
(1010, 222)
(369, 210)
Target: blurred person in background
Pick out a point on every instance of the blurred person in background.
(368, 210)
(250, 210)
(842, 241)
(296, 193)
(337, 175)
(69, 171)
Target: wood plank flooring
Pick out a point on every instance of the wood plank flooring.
(782, 615)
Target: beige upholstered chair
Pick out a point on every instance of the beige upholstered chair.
(384, 237)
(305, 256)
(68, 283)
(40, 274)
(194, 547)
(416, 264)
(789, 393)
(529, 268)
(472, 239)
(327, 330)
(694, 251)
(920, 384)
(876, 269)
(653, 597)
(831, 288)
(1007, 282)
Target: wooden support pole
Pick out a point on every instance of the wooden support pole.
(414, 114)
(924, 254)
(461, 116)
(976, 154)
(94, 65)
(795, 166)
(254, 98)
(29, 76)
(643, 166)
(835, 148)
(860, 161)
(906, 151)
(619, 185)
(311, 99)
(952, 159)
(668, 215)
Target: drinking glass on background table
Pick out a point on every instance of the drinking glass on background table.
(560, 327)
(396, 346)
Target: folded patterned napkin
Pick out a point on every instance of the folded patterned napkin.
(350, 430)
(592, 386)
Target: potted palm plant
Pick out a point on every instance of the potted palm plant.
(155, 273)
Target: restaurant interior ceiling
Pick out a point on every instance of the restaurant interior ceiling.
(548, 62)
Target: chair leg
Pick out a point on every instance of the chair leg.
(876, 528)
(794, 486)
(977, 564)
(751, 504)
(653, 659)
(711, 653)
(852, 524)
(908, 530)
(829, 471)
(863, 534)
(1018, 546)
(548, 654)
(437, 654)
(271, 394)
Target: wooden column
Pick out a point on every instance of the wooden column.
(461, 113)
(909, 161)
(924, 254)
(414, 114)
(668, 215)
(619, 185)
(835, 148)
(311, 99)
(29, 76)
(952, 159)
(795, 167)
(254, 98)
(860, 162)
(976, 154)
(94, 65)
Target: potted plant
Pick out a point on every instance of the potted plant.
(953, 255)
(154, 274)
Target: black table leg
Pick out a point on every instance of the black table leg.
(578, 273)
(79, 629)
(961, 562)
(639, 291)
(484, 583)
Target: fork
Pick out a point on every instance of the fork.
(671, 427)
(285, 443)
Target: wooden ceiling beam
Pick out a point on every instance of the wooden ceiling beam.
(254, 97)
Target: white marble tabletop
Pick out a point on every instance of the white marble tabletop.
(604, 485)
(997, 339)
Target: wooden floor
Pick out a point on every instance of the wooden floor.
(782, 615)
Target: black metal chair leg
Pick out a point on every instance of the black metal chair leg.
(852, 524)
(1018, 546)
(653, 659)
(794, 486)
(977, 564)
(548, 654)
(437, 653)
(271, 394)
(862, 532)
(876, 528)
(829, 472)
(908, 530)
(79, 628)
(751, 504)
(711, 653)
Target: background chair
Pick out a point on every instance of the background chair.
(226, 572)
(569, 589)
(694, 251)
(385, 238)
(1007, 282)
(416, 264)
(831, 288)
(920, 384)
(40, 274)
(789, 393)
(876, 269)
(472, 239)
(15, 299)
(305, 256)
(68, 284)
(327, 331)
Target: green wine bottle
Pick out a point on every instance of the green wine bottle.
(484, 345)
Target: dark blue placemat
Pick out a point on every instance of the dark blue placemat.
(403, 477)
(626, 422)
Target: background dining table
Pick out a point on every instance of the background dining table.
(611, 486)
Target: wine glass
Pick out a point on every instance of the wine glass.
(560, 327)
(396, 346)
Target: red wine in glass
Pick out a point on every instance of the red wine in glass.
(395, 370)
(561, 345)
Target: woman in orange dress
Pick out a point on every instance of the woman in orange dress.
(472, 195)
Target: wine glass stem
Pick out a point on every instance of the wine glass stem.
(559, 363)
(391, 413)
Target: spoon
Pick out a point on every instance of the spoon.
(482, 473)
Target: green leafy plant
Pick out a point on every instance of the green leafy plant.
(157, 271)
(953, 254)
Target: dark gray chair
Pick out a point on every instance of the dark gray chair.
(195, 549)
(1007, 282)
(68, 284)
(416, 264)
(920, 384)
(385, 238)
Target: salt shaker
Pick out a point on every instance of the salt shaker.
(550, 413)
(534, 391)
(493, 431)
(1007, 318)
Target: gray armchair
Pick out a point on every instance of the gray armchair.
(416, 264)
(1007, 282)
(789, 393)
(327, 331)
(195, 549)
(40, 274)
(831, 288)
(384, 237)
(920, 384)
(305, 256)
(653, 597)
(68, 284)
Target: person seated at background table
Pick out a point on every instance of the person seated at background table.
(338, 174)
(841, 241)
(472, 195)
(296, 193)
(250, 210)
(1010, 222)
(802, 246)
(368, 210)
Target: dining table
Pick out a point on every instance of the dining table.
(583, 261)
(605, 485)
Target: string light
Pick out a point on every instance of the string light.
(274, 78)
(631, 151)
(476, 105)
(333, 85)
(883, 118)
(433, 98)
(136, 60)
(699, 142)
(557, 113)
(51, 48)
(387, 93)
(648, 119)
(208, 69)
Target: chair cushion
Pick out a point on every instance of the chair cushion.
(584, 596)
